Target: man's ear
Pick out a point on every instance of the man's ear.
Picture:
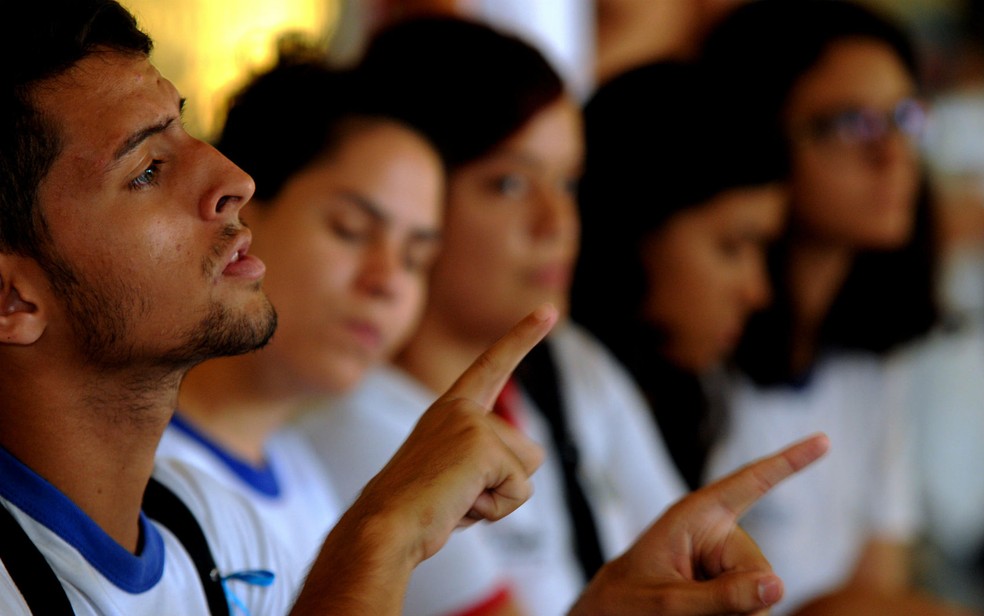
(21, 320)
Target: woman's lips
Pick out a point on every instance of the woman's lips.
(555, 276)
(366, 334)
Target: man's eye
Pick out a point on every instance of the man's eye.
(148, 177)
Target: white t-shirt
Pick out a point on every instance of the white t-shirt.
(948, 402)
(291, 493)
(627, 475)
(101, 578)
(812, 527)
(355, 437)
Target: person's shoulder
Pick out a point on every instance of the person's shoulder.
(355, 435)
(586, 363)
(292, 452)
(574, 344)
(229, 520)
(568, 333)
(208, 499)
(179, 445)
(387, 399)
(236, 532)
(10, 598)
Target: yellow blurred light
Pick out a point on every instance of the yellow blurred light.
(209, 47)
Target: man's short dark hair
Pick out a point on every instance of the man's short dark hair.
(39, 40)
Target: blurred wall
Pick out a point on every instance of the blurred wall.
(208, 47)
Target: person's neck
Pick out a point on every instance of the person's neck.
(436, 356)
(231, 400)
(92, 435)
(817, 272)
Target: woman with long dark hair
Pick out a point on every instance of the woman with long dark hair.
(853, 278)
(681, 201)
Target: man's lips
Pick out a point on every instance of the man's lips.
(240, 264)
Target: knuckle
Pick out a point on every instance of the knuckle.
(487, 362)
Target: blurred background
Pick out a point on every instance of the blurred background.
(209, 47)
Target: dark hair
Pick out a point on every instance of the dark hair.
(465, 85)
(761, 49)
(659, 140)
(39, 41)
(293, 114)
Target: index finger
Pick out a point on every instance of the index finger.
(739, 490)
(484, 379)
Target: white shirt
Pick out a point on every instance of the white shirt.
(948, 402)
(355, 437)
(101, 578)
(813, 526)
(627, 475)
(291, 493)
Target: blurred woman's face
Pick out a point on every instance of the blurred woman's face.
(707, 273)
(853, 123)
(348, 243)
(511, 228)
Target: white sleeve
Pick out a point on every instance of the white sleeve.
(631, 474)
(948, 411)
(354, 440)
(236, 535)
(11, 601)
(894, 507)
(461, 576)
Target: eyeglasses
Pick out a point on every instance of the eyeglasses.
(864, 126)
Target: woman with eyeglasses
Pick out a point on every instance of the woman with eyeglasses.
(853, 290)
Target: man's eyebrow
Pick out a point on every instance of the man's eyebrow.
(139, 136)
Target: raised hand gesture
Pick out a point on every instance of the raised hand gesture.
(457, 466)
(695, 560)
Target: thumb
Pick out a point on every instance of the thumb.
(738, 592)
(746, 592)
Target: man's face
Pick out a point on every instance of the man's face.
(148, 256)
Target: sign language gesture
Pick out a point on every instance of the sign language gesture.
(695, 560)
(461, 463)
(458, 465)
